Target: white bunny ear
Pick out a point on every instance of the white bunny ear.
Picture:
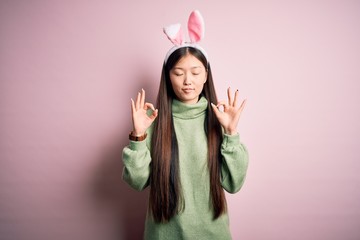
(174, 34)
(196, 27)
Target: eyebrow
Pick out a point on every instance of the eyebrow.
(183, 68)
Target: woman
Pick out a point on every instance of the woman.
(186, 150)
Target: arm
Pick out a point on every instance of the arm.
(235, 155)
(137, 159)
(136, 156)
(235, 163)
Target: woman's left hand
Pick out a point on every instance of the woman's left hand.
(230, 116)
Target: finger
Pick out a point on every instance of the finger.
(216, 110)
(137, 105)
(154, 115)
(224, 104)
(132, 106)
(221, 103)
(142, 99)
(236, 97)
(242, 105)
(229, 96)
(149, 105)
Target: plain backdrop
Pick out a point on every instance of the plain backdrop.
(69, 68)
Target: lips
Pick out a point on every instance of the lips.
(188, 90)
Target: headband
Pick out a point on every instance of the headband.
(196, 30)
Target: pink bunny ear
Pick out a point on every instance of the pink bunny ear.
(196, 27)
(174, 34)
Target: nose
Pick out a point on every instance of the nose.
(187, 80)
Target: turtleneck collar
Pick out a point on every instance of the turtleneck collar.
(189, 111)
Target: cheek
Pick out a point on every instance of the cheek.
(200, 85)
(175, 83)
(202, 80)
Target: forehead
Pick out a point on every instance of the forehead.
(188, 61)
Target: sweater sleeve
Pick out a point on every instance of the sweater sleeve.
(136, 158)
(235, 163)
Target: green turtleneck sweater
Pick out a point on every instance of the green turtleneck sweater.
(196, 220)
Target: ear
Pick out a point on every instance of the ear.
(196, 27)
(174, 33)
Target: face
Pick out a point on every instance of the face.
(187, 79)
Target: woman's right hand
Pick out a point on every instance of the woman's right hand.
(141, 121)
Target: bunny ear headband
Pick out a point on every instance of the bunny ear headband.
(196, 30)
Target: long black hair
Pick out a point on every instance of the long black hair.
(165, 188)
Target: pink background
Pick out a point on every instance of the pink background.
(69, 68)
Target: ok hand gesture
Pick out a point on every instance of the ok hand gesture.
(141, 121)
(229, 118)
